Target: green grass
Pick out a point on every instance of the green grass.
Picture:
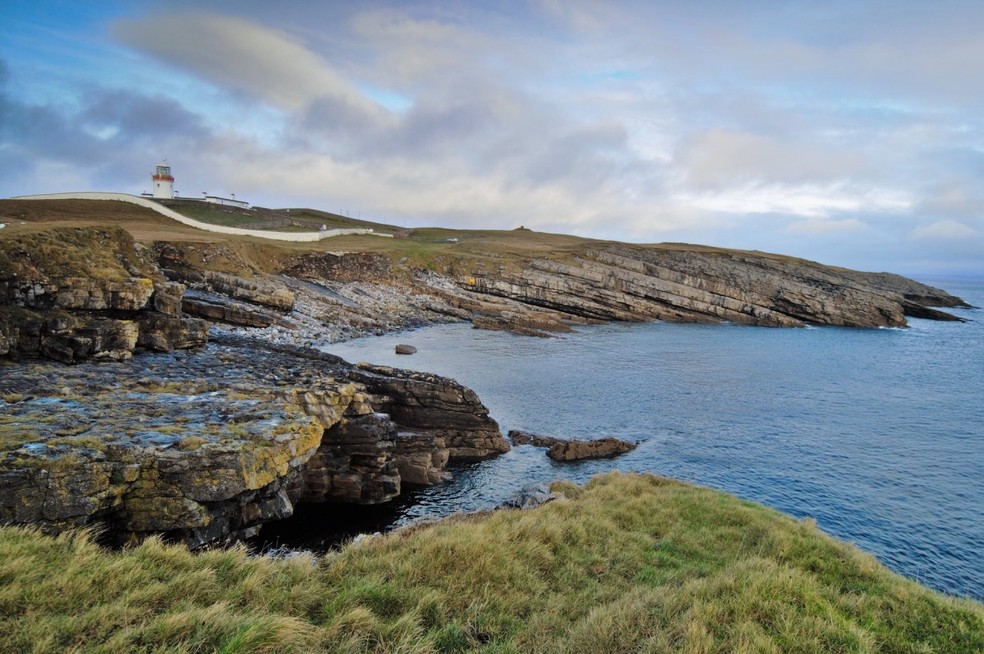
(98, 253)
(626, 564)
(306, 220)
(215, 215)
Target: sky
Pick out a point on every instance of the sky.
(846, 132)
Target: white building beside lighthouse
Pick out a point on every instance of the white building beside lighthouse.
(163, 182)
(164, 190)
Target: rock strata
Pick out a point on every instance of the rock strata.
(622, 282)
(207, 445)
(91, 297)
(427, 405)
(263, 291)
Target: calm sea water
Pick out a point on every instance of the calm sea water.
(877, 434)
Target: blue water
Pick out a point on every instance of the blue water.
(877, 434)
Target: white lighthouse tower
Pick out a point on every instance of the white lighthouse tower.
(163, 181)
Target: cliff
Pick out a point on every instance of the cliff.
(637, 283)
(77, 294)
(205, 440)
(207, 445)
(200, 441)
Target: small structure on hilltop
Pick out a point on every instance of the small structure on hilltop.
(228, 202)
(163, 182)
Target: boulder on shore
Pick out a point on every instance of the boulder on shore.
(530, 496)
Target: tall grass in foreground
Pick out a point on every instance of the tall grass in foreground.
(624, 564)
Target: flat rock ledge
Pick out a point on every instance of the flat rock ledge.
(572, 450)
(204, 446)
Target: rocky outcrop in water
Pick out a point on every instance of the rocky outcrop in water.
(560, 449)
(579, 450)
(433, 408)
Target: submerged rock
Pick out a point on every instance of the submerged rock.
(405, 349)
(520, 437)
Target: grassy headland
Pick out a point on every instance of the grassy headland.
(624, 564)
(431, 248)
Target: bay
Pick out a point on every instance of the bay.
(878, 435)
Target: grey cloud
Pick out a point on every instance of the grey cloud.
(959, 197)
(721, 158)
(585, 156)
(112, 136)
(43, 132)
(140, 117)
(240, 55)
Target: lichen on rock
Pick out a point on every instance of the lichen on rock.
(207, 445)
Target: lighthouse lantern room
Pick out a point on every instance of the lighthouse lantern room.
(163, 181)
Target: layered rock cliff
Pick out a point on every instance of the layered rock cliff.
(77, 294)
(636, 283)
(203, 445)
(206, 441)
(208, 445)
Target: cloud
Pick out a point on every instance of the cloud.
(790, 130)
(134, 116)
(818, 226)
(721, 157)
(241, 55)
(953, 197)
(430, 55)
(945, 230)
(807, 200)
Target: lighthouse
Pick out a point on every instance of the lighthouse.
(163, 181)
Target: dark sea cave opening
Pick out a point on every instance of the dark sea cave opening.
(322, 527)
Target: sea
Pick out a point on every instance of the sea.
(876, 434)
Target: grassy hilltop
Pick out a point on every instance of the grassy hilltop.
(626, 564)
(445, 250)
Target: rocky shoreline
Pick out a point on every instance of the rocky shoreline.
(227, 418)
(206, 445)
